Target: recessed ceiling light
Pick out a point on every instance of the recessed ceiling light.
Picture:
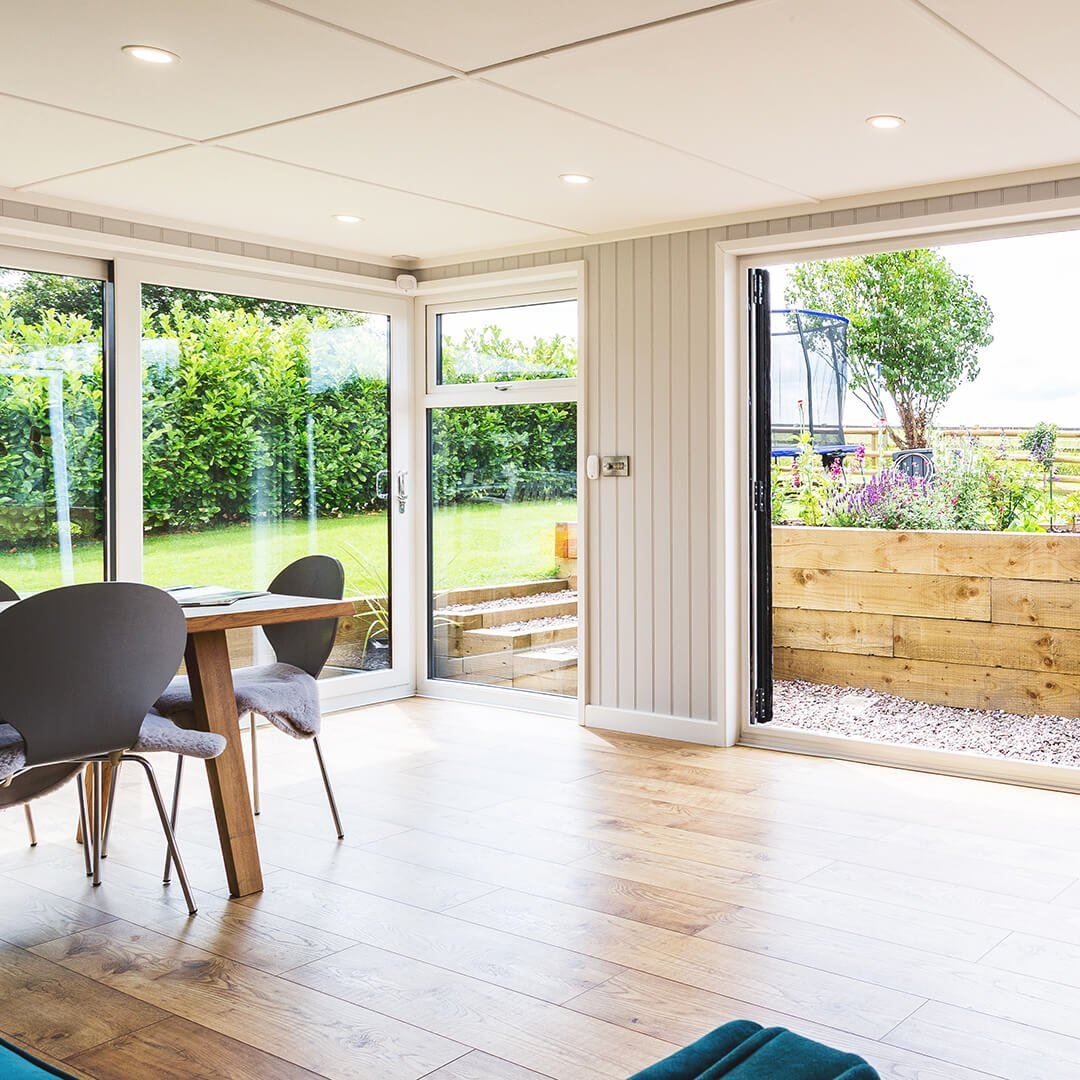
(885, 121)
(150, 54)
(575, 178)
(348, 219)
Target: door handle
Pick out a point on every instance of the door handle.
(402, 490)
(380, 483)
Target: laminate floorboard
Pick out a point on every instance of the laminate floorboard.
(518, 898)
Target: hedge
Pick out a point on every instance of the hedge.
(236, 403)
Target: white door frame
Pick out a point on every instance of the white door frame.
(562, 281)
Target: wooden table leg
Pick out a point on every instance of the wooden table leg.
(207, 659)
(107, 775)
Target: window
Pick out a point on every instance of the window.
(52, 512)
(507, 344)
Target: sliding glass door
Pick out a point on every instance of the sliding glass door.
(267, 437)
(52, 429)
(502, 470)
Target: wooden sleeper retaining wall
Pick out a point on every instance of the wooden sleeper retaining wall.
(972, 619)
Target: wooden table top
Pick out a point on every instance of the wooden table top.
(264, 610)
(258, 611)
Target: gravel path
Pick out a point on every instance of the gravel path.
(867, 714)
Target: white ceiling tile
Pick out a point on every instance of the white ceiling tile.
(242, 63)
(1039, 38)
(42, 141)
(469, 34)
(228, 192)
(489, 147)
(781, 90)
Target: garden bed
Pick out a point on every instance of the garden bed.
(975, 620)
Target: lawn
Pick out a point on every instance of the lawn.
(474, 544)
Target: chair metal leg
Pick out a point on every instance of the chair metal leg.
(254, 768)
(170, 839)
(114, 779)
(84, 823)
(329, 791)
(30, 824)
(96, 823)
(167, 876)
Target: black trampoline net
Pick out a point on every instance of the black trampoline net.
(809, 377)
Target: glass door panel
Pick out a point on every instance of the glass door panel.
(503, 499)
(266, 438)
(52, 507)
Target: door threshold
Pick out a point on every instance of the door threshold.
(914, 758)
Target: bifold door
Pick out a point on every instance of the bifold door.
(761, 646)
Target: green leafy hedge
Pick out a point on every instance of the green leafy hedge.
(238, 404)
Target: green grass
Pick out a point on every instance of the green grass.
(476, 544)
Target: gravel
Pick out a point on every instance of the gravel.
(868, 714)
(563, 597)
(532, 626)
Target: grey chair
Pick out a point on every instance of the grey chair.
(286, 692)
(27, 792)
(80, 671)
(32, 784)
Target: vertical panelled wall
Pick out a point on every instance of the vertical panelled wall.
(650, 394)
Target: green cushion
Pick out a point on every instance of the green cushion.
(16, 1064)
(743, 1050)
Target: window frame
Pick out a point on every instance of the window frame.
(440, 395)
(33, 260)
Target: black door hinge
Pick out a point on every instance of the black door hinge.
(757, 288)
(759, 704)
(761, 497)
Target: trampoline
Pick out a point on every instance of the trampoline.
(809, 375)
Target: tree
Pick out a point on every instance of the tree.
(915, 329)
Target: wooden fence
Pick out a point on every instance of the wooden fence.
(878, 450)
(977, 620)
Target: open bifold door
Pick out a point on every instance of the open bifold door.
(761, 643)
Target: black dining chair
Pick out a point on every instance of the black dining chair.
(285, 692)
(80, 669)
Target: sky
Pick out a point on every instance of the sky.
(1031, 372)
(524, 323)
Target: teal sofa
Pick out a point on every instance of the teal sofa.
(743, 1050)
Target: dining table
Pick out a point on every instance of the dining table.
(206, 658)
(209, 670)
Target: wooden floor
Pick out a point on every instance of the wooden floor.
(518, 898)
